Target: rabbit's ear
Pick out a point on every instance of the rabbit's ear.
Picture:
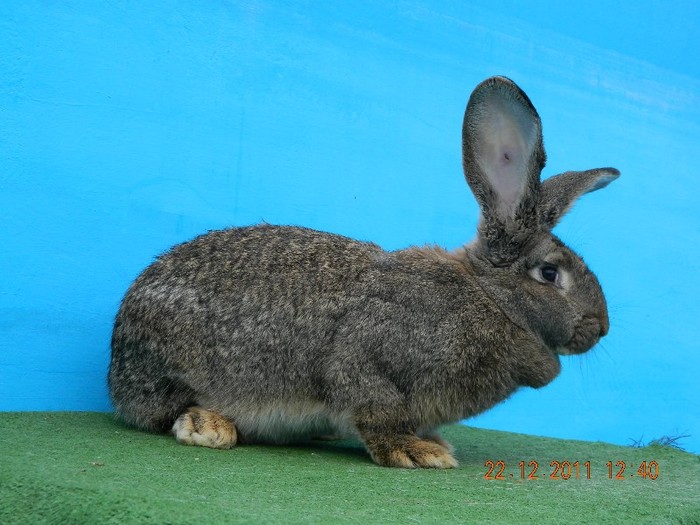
(503, 156)
(558, 193)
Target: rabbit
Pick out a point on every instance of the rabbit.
(280, 334)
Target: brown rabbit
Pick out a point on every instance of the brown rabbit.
(277, 334)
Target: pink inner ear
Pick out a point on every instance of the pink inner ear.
(508, 136)
(504, 166)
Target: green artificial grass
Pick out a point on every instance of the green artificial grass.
(87, 468)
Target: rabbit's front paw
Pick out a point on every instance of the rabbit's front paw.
(410, 452)
(204, 428)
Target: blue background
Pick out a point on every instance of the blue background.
(127, 127)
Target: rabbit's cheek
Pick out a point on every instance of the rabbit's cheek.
(548, 319)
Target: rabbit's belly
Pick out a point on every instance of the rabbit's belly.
(288, 422)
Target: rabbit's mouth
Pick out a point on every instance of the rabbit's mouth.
(587, 333)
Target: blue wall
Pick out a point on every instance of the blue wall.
(126, 127)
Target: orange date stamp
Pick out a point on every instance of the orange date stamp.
(566, 470)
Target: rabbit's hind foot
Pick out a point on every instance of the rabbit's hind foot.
(408, 451)
(204, 428)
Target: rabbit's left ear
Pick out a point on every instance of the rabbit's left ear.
(503, 156)
(559, 193)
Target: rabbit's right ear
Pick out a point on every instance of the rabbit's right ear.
(503, 156)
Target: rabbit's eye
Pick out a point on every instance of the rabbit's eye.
(549, 273)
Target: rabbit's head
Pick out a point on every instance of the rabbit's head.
(532, 275)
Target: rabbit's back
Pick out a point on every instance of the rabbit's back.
(283, 257)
